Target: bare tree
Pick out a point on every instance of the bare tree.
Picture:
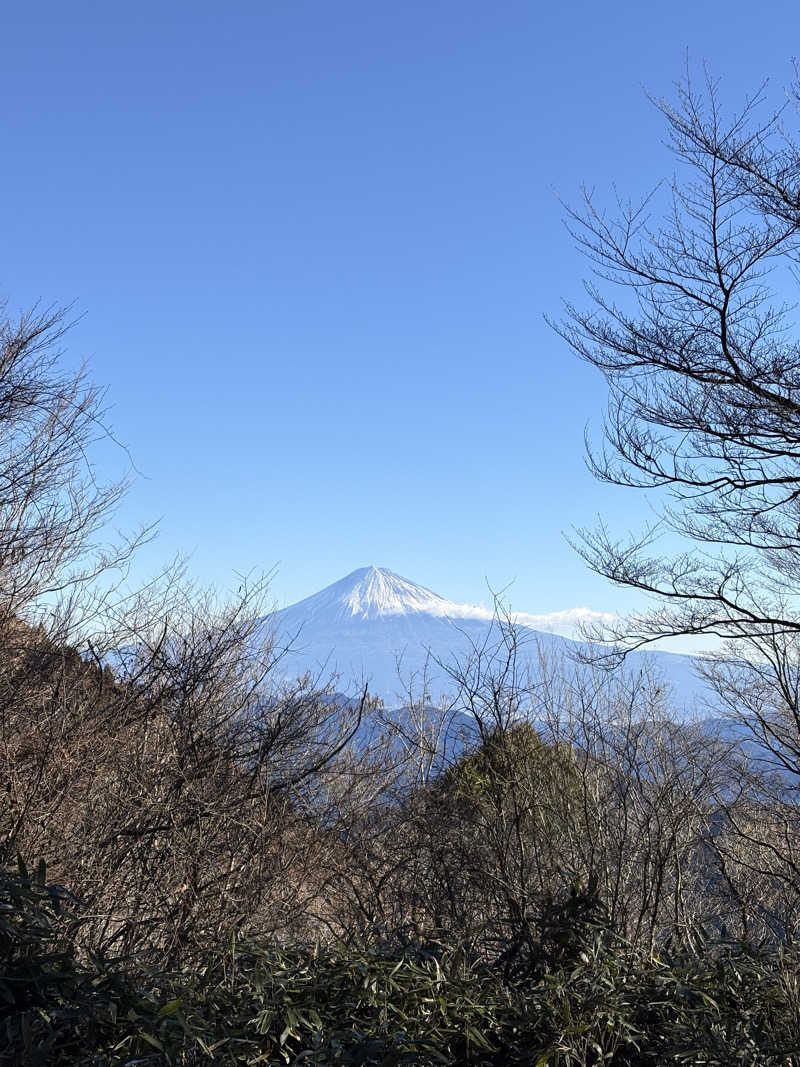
(703, 371)
(703, 374)
(150, 749)
(51, 505)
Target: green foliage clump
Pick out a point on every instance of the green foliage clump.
(507, 757)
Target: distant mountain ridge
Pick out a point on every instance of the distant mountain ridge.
(375, 626)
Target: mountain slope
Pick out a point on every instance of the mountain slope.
(375, 626)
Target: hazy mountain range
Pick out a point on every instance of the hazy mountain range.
(375, 626)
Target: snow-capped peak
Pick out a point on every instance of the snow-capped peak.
(375, 625)
(377, 591)
(373, 593)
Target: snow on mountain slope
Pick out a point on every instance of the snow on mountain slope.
(375, 592)
(375, 626)
(370, 593)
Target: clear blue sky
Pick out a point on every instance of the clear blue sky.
(313, 243)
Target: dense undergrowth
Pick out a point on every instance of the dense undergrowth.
(584, 998)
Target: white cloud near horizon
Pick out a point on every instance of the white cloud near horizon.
(566, 622)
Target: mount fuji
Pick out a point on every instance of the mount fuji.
(373, 626)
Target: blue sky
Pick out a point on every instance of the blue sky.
(312, 245)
